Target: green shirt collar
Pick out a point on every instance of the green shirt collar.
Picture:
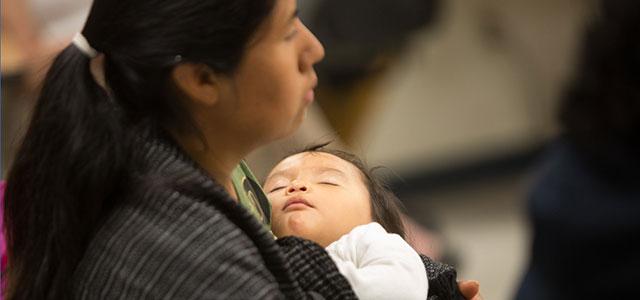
(250, 194)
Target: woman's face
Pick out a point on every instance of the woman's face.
(267, 96)
(317, 196)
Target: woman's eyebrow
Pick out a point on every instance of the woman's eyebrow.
(294, 16)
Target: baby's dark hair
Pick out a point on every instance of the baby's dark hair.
(386, 208)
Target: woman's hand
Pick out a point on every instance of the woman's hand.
(470, 289)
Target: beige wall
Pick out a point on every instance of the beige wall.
(482, 82)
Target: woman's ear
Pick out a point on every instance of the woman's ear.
(198, 82)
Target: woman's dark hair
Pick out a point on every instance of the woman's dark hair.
(386, 208)
(75, 157)
(600, 112)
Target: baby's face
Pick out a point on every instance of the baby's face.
(317, 196)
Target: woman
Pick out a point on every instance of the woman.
(128, 181)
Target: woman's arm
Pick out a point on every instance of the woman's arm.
(314, 270)
(187, 252)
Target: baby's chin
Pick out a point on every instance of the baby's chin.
(297, 223)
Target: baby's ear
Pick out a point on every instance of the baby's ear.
(198, 82)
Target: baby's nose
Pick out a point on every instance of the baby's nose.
(297, 186)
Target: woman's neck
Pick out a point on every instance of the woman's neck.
(218, 159)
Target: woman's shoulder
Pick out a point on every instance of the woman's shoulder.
(177, 245)
(174, 232)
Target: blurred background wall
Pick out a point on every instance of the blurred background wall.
(457, 97)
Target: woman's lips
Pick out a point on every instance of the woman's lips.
(310, 96)
(296, 204)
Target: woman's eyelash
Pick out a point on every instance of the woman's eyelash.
(328, 183)
(291, 35)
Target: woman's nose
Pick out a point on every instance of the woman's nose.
(317, 49)
(314, 51)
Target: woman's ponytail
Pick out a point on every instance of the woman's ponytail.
(67, 169)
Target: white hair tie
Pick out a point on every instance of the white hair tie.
(81, 42)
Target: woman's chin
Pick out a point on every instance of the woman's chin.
(293, 126)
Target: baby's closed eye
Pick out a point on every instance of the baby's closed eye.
(276, 189)
(327, 182)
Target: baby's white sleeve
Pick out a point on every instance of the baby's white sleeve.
(379, 265)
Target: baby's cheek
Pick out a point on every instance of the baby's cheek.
(278, 224)
(293, 223)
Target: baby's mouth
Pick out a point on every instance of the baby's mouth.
(296, 203)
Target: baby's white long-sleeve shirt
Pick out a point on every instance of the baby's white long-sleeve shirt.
(379, 265)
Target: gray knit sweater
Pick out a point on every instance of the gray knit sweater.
(178, 235)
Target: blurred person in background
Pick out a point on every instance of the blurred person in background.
(585, 205)
(33, 31)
